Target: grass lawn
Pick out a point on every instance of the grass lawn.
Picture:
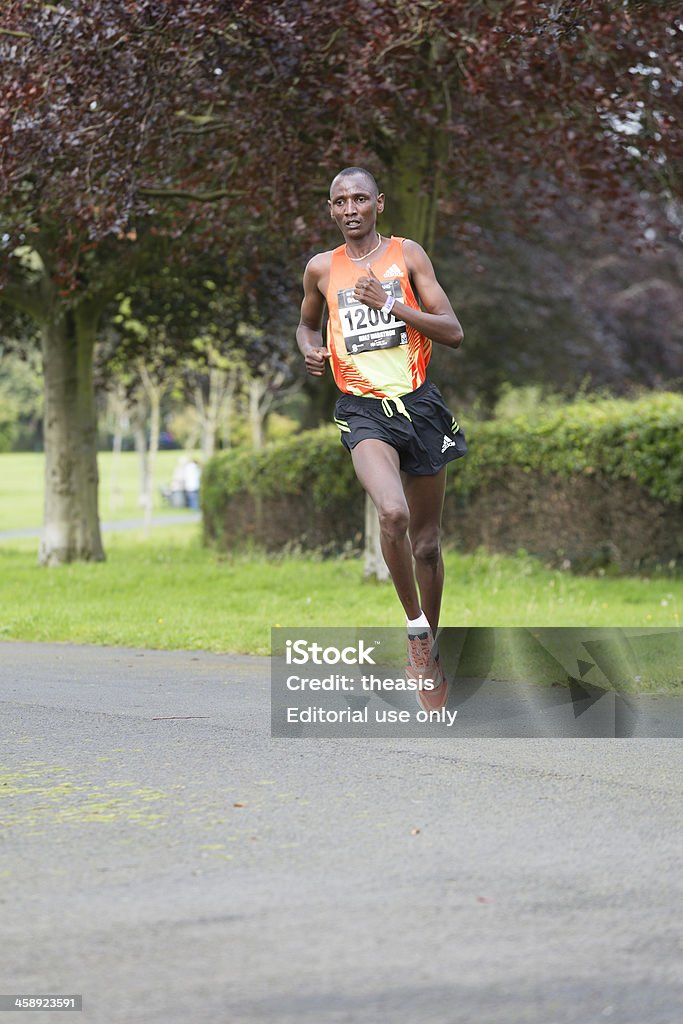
(170, 592)
(21, 487)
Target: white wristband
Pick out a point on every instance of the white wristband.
(389, 304)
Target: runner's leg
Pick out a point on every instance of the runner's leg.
(377, 467)
(425, 495)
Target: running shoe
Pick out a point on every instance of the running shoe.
(424, 665)
(420, 651)
(436, 699)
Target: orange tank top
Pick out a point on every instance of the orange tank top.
(374, 353)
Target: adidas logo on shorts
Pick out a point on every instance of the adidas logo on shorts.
(448, 442)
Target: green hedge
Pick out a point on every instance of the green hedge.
(589, 485)
(312, 463)
(640, 440)
(290, 493)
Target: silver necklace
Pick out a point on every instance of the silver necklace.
(357, 259)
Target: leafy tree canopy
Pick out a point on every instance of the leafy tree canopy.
(110, 110)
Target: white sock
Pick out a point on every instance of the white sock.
(419, 623)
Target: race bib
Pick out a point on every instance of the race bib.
(366, 329)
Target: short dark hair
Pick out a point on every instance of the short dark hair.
(357, 170)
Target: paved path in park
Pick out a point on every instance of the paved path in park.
(119, 524)
(164, 857)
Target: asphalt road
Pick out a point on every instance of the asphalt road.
(164, 857)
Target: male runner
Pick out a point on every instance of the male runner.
(392, 420)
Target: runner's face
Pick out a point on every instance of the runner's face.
(354, 205)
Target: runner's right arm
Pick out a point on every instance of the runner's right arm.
(308, 336)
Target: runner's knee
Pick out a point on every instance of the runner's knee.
(427, 549)
(393, 522)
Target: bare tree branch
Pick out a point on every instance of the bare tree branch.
(158, 192)
(206, 129)
(27, 300)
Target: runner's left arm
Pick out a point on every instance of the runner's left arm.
(436, 320)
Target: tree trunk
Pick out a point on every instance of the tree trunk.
(217, 389)
(139, 424)
(119, 411)
(373, 559)
(212, 409)
(71, 528)
(413, 188)
(256, 417)
(154, 430)
(154, 393)
(228, 412)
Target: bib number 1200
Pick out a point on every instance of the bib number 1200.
(356, 318)
(366, 329)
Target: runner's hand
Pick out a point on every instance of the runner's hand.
(369, 291)
(315, 360)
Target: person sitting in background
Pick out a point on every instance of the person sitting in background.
(193, 474)
(178, 497)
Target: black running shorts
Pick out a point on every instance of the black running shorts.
(418, 425)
